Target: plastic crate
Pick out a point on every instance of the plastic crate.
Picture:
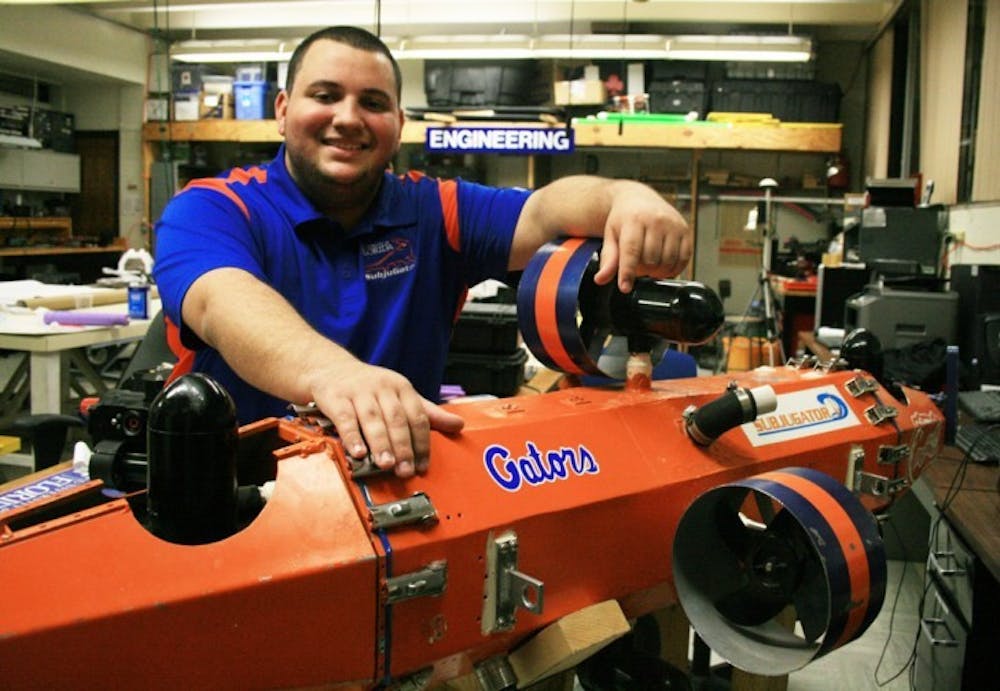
(251, 72)
(486, 373)
(678, 97)
(484, 327)
(789, 101)
(251, 100)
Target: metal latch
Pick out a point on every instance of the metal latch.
(876, 485)
(880, 412)
(363, 467)
(415, 509)
(311, 413)
(892, 454)
(506, 587)
(859, 386)
(429, 581)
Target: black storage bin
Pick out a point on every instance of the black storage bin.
(677, 96)
(500, 375)
(787, 100)
(485, 328)
(483, 83)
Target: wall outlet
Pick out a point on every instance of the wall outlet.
(958, 236)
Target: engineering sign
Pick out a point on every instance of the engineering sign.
(522, 140)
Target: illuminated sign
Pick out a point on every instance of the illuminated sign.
(508, 140)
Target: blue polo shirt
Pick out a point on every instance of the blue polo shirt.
(388, 291)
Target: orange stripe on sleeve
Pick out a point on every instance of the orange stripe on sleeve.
(221, 186)
(448, 191)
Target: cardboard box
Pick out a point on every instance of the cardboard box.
(157, 107)
(186, 106)
(568, 641)
(216, 107)
(580, 92)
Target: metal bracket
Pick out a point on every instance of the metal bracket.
(892, 454)
(859, 386)
(363, 467)
(876, 485)
(855, 462)
(506, 587)
(428, 582)
(412, 510)
(310, 413)
(880, 412)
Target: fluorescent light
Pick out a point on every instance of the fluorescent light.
(746, 48)
(249, 50)
(19, 141)
(519, 46)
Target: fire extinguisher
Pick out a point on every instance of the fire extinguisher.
(838, 174)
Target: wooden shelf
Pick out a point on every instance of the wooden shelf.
(805, 137)
(57, 231)
(213, 130)
(32, 223)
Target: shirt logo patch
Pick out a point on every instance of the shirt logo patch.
(388, 257)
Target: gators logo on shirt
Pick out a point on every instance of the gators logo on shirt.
(387, 257)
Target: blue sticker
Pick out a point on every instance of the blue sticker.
(45, 487)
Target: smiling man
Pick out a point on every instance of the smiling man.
(322, 277)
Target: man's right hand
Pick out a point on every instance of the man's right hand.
(377, 411)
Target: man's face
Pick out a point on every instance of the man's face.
(342, 120)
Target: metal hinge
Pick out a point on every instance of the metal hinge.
(412, 510)
(880, 412)
(427, 582)
(892, 454)
(506, 587)
(859, 386)
(876, 485)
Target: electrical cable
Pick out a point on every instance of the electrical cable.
(953, 488)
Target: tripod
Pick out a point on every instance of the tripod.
(764, 291)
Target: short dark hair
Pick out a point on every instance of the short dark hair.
(348, 35)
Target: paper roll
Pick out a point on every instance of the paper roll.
(108, 296)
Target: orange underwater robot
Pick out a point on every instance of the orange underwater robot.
(199, 554)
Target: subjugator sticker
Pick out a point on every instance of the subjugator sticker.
(802, 414)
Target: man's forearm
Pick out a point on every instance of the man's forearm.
(282, 362)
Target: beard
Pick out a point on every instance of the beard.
(329, 194)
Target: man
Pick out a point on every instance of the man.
(321, 277)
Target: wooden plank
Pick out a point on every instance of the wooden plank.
(816, 137)
(213, 130)
(785, 137)
(64, 223)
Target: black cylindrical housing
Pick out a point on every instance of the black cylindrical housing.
(193, 435)
(680, 311)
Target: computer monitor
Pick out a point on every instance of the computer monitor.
(903, 239)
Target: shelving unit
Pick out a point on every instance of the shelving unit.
(803, 137)
(694, 137)
(45, 235)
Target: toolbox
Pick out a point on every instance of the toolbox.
(486, 327)
(486, 373)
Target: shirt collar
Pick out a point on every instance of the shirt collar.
(386, 213)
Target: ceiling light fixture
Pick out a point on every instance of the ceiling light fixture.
(746, 48)
(521, 46)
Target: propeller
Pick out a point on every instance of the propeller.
(769, 580)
